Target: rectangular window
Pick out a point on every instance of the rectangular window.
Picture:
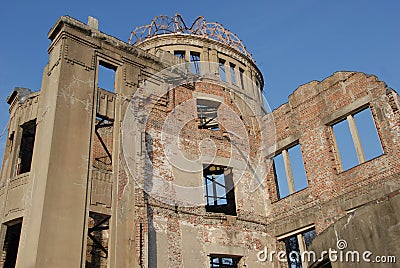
(97, 240)
(296, 244)
(207, 114)
(26, 147)
(11, 244)
(103, 142)
(180, 54)
(219, 190)
(233, 73)
(241, 75)
(217, 261)
(289, 171)
(222, 71)
(356, 139)
(106, 76)
(195, 62)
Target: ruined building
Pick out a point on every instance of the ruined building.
(161, 152)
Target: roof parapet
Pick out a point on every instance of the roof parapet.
(93, 23)
(19, 93)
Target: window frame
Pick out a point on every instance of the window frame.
(288, 170)
(207, 114)
(11, 241)
(220, 264)
(180, 54)
(232, 71)
(241, 77)
(222, 69)
(104, 68)
(28, 131)
(301, 243)
(210, 180)
(195, 59)
(355, 137)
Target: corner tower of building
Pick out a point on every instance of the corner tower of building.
(136, 155)
(202, 41)
(203, 147)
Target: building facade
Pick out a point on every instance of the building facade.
(161, 152)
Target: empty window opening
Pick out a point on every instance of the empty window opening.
(222, 71)
(103, 144)
(97, 240)
(195, 62)
(219, 190)
(11, 139)
(295, 245)
(217, 261)
(180, 54)
(11, 244)
(357, 139)
(207, 114)
(289, 171)
(241, 76)
(26, 147)
(106, 76)
(233, 73)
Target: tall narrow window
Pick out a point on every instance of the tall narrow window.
(289, 171)
(217, 261)
(295, 246)
(233, 73)
(222, 72)
(207, 114)
(219, 190)
(180, 54)
(26, 147)
(97, 240)
(11, 244)
(195, 62)
(241, 76)
(103, 141)
(106, 76)
(357, 139)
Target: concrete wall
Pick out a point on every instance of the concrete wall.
(161, 225)
(372, 228)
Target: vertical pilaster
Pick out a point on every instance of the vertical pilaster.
(53, 228)
(204, 58)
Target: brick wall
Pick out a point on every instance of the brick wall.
(331, 191)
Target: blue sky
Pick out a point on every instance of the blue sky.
(293, 42)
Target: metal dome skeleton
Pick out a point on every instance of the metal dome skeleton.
(169, 25)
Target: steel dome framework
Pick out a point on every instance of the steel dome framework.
(175, 25)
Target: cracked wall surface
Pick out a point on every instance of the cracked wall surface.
(117, 180)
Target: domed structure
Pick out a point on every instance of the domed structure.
(160, 152)
(205, 141)
(203, 41)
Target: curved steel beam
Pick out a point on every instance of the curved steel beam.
(167, 25)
